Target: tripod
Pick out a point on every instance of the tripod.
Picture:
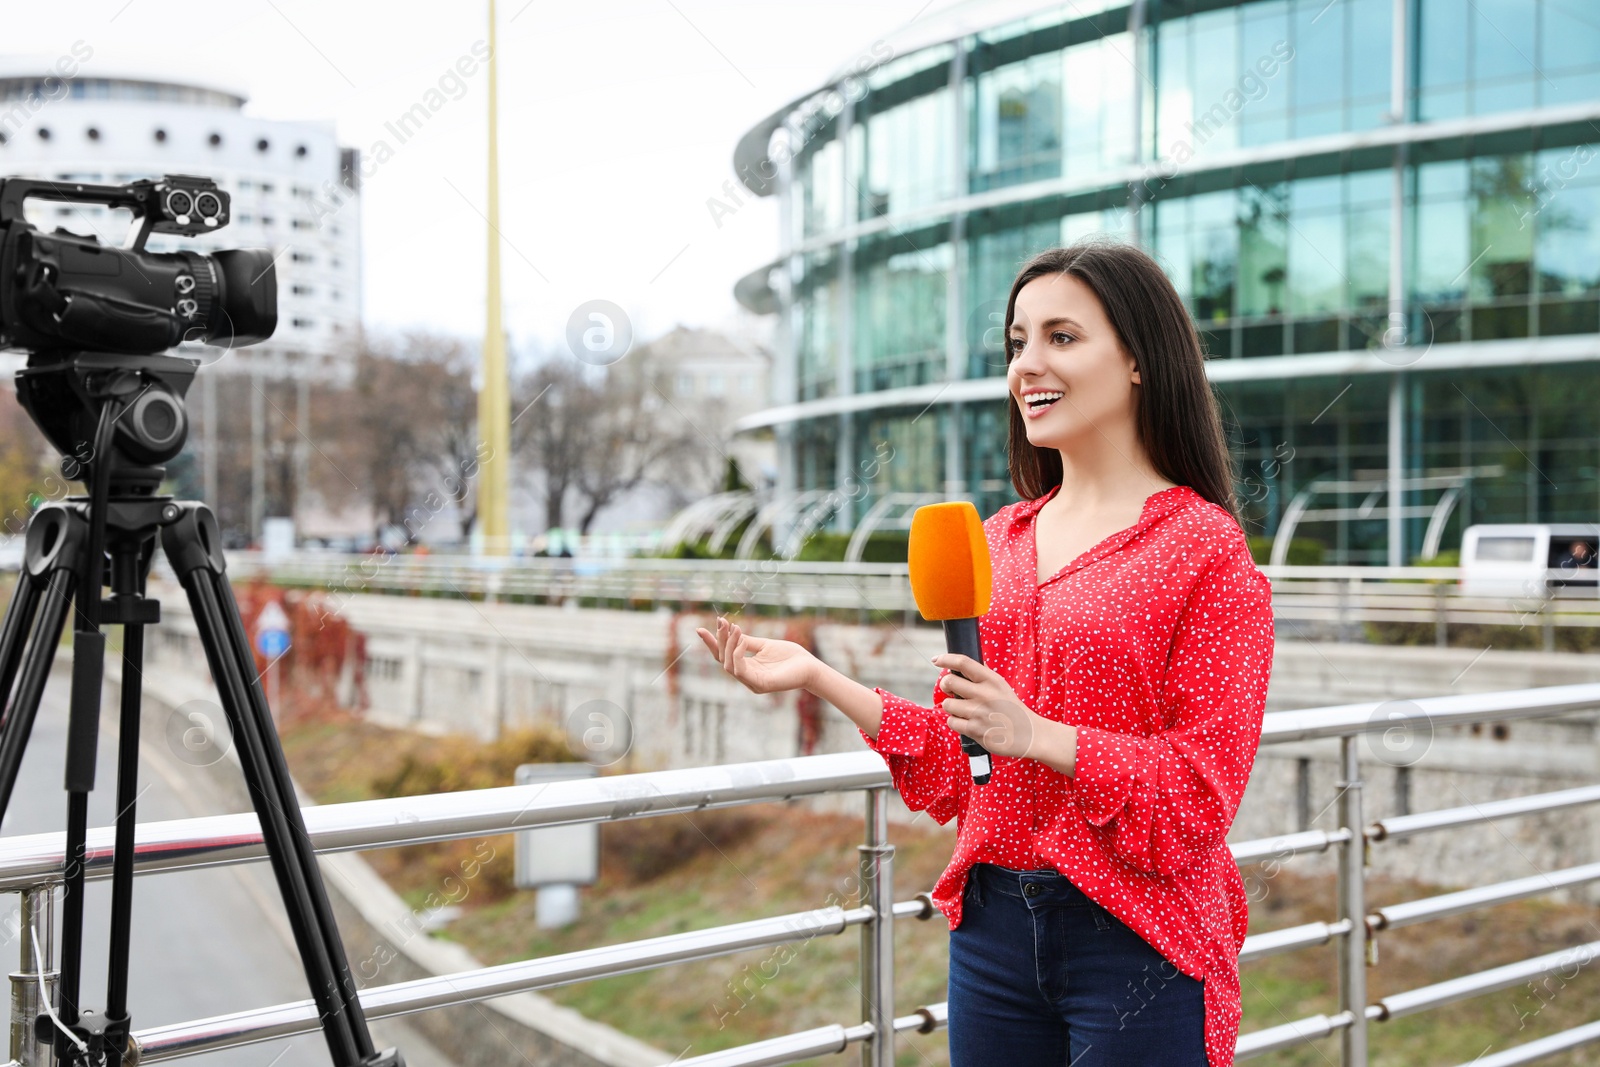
(117, 417)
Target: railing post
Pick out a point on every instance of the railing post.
(877, 935)
(1345, 591)
(1352, 906)
(37, 912)
(1441, 630)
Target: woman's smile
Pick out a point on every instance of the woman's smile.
(1036, 402)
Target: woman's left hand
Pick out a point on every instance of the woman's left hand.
(982, 704)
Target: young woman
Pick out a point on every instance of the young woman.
(1095, 912)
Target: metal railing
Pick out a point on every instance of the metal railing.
(33, 866)
(1338, 599)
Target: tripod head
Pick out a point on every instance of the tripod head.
(66, 394)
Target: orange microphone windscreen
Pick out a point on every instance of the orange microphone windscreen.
(949, 558)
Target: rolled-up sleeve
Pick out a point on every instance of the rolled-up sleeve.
(923, 753)
(1169, 798)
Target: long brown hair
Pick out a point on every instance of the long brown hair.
(1176, 415)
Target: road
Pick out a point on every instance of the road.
(204, 942)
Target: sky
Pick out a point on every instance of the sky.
(618, 120)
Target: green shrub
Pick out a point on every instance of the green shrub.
(1303, 551)
(884, 546)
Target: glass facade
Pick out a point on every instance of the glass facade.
(1254, 148)
(1505, 55)
(899, 314)
(1529, 432)
(1283, 266)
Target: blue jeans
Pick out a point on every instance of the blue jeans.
(1042, 976)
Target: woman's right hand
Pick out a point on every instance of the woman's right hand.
(761, 664)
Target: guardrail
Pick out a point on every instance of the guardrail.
(33, 866)
(1340, 599)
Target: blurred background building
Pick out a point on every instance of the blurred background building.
(721, 378)
(1383, 214)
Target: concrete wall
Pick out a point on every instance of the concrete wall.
(459, 666)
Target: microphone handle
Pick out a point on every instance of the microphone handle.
(961, 637)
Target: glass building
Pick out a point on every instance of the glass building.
(1384, 216)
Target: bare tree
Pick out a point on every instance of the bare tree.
(632, 438)
(448, 440)
(555, 403)
(408, 426)
(602, 434)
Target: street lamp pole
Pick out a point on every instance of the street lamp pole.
(494, 398)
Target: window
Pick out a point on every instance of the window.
(821, 184)
(1569, 229)
(685, 384)
(747, 383)
(714, 385)
(1263, 241)
(903, 156)
(1019, 122)
(899, 316)
(1505, 549)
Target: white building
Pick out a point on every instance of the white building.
(721, 379)
(295, 189)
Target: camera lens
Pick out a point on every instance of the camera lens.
(208, 205)
(179, 203)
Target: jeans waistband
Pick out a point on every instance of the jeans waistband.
(1043, 886)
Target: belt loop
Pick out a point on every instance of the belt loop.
(976, 879)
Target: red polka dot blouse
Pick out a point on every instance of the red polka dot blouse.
(1156, 643)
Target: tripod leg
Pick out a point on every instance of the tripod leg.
(127, 824)
(72, 890)
(45, 589)
(55, 604)
(83, 737)
(193, 547)
(14, 632)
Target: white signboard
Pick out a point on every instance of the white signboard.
(557, 855)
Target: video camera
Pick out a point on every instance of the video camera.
(95, 318)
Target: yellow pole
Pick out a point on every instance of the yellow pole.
(494, 400)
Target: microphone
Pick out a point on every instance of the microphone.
(951, 580)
